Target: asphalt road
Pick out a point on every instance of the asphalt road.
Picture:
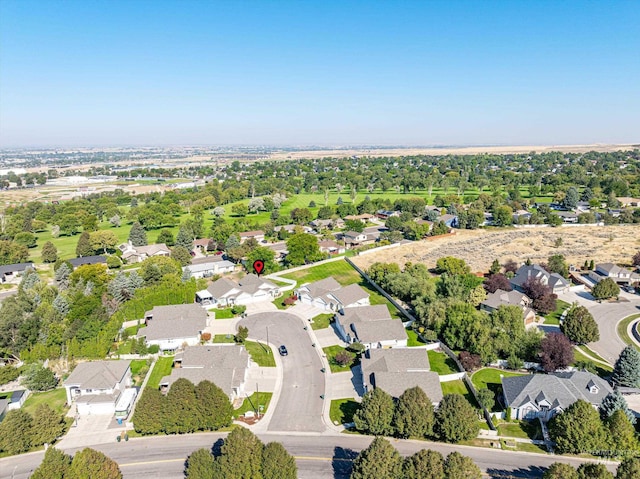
(607, 315)
(318, 457)
(299, 407)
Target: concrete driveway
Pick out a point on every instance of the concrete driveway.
(298, 406)
(607, 315)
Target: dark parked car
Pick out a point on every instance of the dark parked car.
(283, 350)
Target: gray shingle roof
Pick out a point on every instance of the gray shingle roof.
(14, 268)
(561, 389)
(505, 298)
(350, 294)
(174, 322)
(322, 287)
(98, 374)
(177, 311)
(398, 369)
(372, 324)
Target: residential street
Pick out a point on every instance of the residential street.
(318, 457)
(299, 405)
(607, 315)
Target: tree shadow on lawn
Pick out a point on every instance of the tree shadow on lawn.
(342, 462)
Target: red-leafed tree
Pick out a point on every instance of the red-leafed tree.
(543, 299)
(497, 281)
(556, 352)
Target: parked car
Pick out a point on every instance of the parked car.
(283, 350)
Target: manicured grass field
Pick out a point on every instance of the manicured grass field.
(413, 339)
(223, 313)
(161, 369)
(441, 363)
(554, 318)
(458, 387)
(622, 329)
(585, 349)
(224, 338)
(137, 371)
(521, 429)
(331, 352)
(321, 321)
(261, 354)
(253, 403)
(342, 410)
(490, 378)
(602, 370)
(56, 399)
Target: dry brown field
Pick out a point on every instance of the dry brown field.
(616, 244)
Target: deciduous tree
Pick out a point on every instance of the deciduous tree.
(605, 289)
(84, 248)
(200, 465)
(629, 469)
(55, 465)
(241, 455)
(579, 326)
(592, 470)
(556, 352)
(303, 248)
(457, 466)
(456, 419)
(578, 429)
(277, 463)
(49, 252)
(560, 470)
(424, 464)
(92, 464)
(380, 460)
(375, 415)
(414, 414)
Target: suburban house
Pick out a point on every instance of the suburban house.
(545, 395)
(96, 386)
(626, 201)
(450, 220)
(568, 216)
(225, 365)
(557, 283)
(372, 326)
(363, 217)
(329, 223)
(171, 327)
(331, 247)
(11, 272)
(353, 238)
(328, 294)
(509, 298)
(291, 229)
(386, 214)
(249, 289)
(396, 370)
(201, 244)
(137, 254)
(280, 249)
(524, 214)
(206, 270)
(96, 259)
(616, 273)
(257, 235)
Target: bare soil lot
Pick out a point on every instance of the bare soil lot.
(616, 244)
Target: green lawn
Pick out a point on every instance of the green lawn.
(490, 378)
(331, 353)
(161, 369)
(585, 349)
(224, 313)
(341, 271)
(321, 321)
(342, 410)
(254, 402)
(554, 318)
(600, 369)
(441, 363)
(521, 429)
(224, 338)
(622, 329)
(261, 354)
(56, 399)
(458, 387)
(139, 370)
(413, 339)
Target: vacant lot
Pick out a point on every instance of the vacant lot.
(479, 248)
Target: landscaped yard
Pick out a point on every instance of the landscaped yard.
(458, 387)
(260, 353)
(490, 378)
(331, 353)
(56, 399)
(139, 369)
(223, 313)
(441, 363)
(342, 410)
(521, 429)
(601, 370)
(321, 321)
(224, 338)
(413, 339)
(253, 402)
(554, 318)
(163, 367)
(622, 329)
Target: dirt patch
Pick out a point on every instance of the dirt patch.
(616, 244)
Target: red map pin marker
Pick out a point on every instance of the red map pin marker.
(258, 266)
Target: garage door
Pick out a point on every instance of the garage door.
(96, 408)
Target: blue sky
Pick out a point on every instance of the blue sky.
(119, 73)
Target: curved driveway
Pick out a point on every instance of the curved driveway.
(299, 405)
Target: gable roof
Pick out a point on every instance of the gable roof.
(560, 390)
(372, 324)
(177, 311)
(322, 287)
(175, 321)
(98, 374)
(350, 294)
(250, 284)
(505, 298)
(15, 268)
(398, 369)
(96, 259)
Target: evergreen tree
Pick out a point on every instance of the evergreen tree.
(181, 408)
(626, 371)
(92, 464)
(240, 458)
(578, 429)
(16, 432)
(62, 275)
(560, 470)
(414, 414)
(378, 461)
(214, 409)
(50, 425)
(456, 419)
(55, 465)
(277, 463)
(424, 464)
(592, 470)
(579, 326)
(622, 433)
(457, 466)
(166, 237)
(375, 414)
(629, 469)
(614, 402)
(49, 252)
(200, 465)
(149, 415)
(181, 255)
(184, 239)
(137, 235)
(84, 247)
(495, 267)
